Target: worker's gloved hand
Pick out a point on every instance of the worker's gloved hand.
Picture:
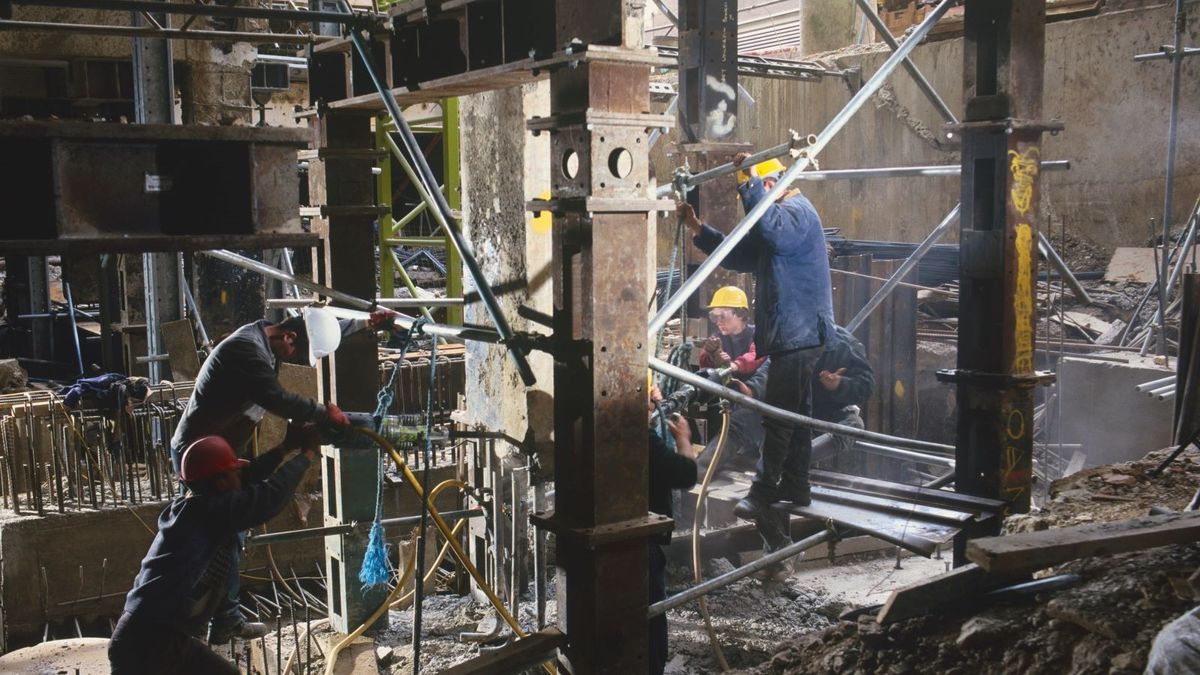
(740, 158)
(304, 437)
(335, 416)
(381, 318)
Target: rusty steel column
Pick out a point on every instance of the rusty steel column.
(1003, 62)
(599, 123)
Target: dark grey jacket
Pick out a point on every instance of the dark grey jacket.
(843, 351)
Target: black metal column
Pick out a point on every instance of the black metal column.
(708, 111)
(1003, 61)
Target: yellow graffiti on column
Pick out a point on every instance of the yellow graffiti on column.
(1024, 168)
(1023, 301)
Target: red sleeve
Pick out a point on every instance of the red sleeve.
(749, 362)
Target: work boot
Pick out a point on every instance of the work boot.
(796, 491)
(246, 630)
(751, 507)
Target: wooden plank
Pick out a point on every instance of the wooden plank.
(180, 343)
(923, 597)
(356, 659)
(528, 651)
(1031, 551)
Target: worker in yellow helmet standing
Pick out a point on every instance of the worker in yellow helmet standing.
(793, 312)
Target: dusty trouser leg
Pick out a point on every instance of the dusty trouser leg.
(786, 389)
(851, 418)
(834, 446)
(793, 478)
(742, 443)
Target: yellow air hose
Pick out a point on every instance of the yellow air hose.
(696, 574)
(447, 533)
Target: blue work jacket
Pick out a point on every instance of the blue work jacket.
(793, 306)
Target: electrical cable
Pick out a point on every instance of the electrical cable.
(697, 576)
(446, 531)
(390, 601)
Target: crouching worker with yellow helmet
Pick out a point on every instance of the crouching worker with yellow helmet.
(733, 347)
(793, 317)
(183, 578)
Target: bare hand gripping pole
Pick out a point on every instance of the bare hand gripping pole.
(689, 287)
(426, 174)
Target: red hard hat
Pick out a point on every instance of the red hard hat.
(208, 456)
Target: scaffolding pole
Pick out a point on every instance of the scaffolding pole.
(689, 287)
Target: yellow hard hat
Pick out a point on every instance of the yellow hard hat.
(771, 167)
(729, 296)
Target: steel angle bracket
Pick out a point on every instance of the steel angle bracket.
(604, 535)
(995, 380)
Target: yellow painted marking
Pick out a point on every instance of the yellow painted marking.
(224, 297)
(899, 390)
(1023, 301)
(543, 219)
(1024, 168)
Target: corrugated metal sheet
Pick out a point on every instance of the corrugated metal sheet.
(762, 24)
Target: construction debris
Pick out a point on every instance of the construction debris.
(1104, 623)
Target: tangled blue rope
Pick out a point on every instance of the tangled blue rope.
(376, 571)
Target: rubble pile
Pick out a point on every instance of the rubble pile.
(1105, 623)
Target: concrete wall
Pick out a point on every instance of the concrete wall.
(1102, 411)
(1115, 112)
(502, 164)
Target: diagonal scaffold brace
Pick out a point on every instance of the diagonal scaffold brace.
(413, 150)
(807, 155)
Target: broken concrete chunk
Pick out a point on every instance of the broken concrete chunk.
(385, 655)
(12, 376)
(1120, 479)
(980, 631)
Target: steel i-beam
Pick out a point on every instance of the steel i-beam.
(1001, 150)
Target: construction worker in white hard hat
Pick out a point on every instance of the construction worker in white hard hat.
(238, 384)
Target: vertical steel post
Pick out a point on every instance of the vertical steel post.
(1177, 56)
(600, 180)
(154, 103)
(707, 108)
(1003, 61)
(452, 175)
(383, 197)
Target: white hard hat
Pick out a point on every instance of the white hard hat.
(324, 333)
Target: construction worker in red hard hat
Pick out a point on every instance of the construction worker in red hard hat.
(183, 578)
(238, 384)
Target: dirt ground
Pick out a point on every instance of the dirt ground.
(1104, 623)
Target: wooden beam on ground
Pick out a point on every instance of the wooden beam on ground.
(1031, 551)
(923, 596)
(357, 658)
(528, 651)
